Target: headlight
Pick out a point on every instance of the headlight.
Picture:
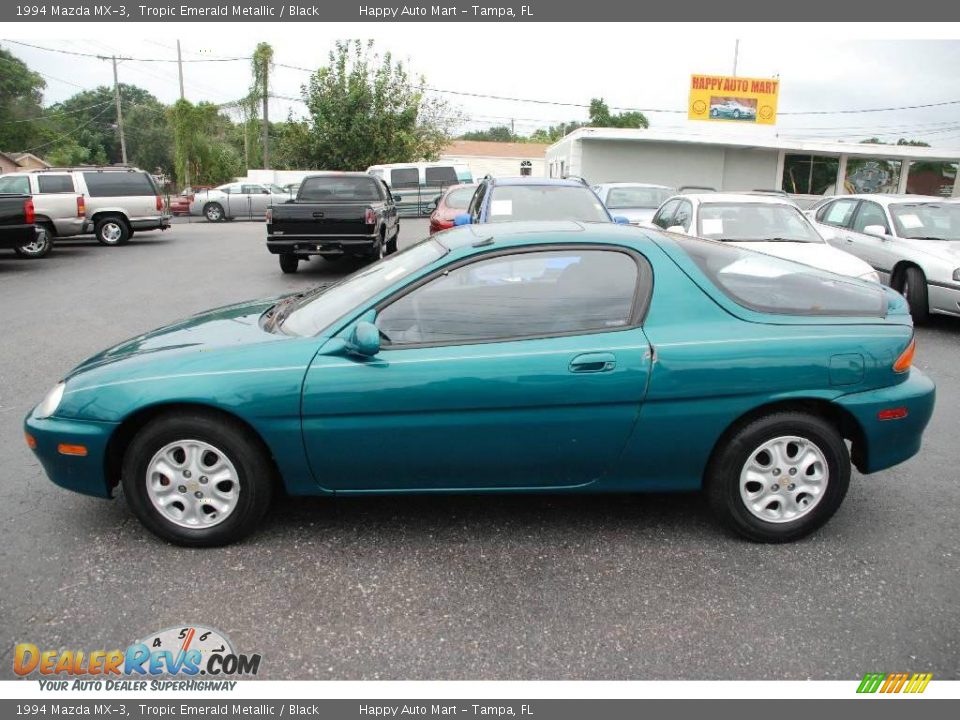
(872, 276)
(956, 275)
(51, 402)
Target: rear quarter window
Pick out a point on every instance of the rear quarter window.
(441, 176)
(769, 284)
(55, 183)
(118, 184)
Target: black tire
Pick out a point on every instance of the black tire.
(714, 113)
(213, 212)
(112, 231)
(40, 247)
(736, 114)
(238, 444)
(723, 476)
(378, 251)
(393, 243)
(289, 263)
(913, 286)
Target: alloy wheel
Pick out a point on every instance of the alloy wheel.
(784, 479)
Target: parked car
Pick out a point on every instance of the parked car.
(334, 214)
(733, 110)
(17, 230)
(414, 185)
(446, 207)
(565, 356)
(180, 204)
(637, 202)
(912, 241)
(512, 199)
(110, 202)
(237, 200)
(767, 223)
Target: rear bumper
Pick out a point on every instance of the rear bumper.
(891, 442)
(86, 474)
(306, 245)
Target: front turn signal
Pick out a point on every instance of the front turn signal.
(905, 360)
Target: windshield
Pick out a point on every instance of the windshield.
(336, 188)
(636, 196)
(755, 222)
(459, 199)
(927, 221)
(318, 309)
(510, 203)
(770, 284)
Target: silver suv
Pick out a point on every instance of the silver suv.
(110, 202)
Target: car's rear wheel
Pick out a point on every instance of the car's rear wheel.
(289, 262)
(213, 212)
(112, 231)
(913, 286)
(379, 251)
(392, 244)
(780, 477)
(40, 247)
(197, 480)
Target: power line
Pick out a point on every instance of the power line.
(72, 132)
(103, 57)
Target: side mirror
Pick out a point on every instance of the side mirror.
(875, 230)
(677, 229)
(621, 220)
(364, 339)
(396, 198)
(463, 219)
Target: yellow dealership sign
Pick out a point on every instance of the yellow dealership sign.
(734, 99)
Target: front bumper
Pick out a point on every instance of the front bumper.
(83, 474)
(891, 442)
(305, 246)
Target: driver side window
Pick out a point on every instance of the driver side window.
(870, 213)
(520, 295)
(664, 216)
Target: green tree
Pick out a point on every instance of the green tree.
(500, 133)
(365, 109)
(261, 65)
(21, 95)
(600, 116)
(201, 142)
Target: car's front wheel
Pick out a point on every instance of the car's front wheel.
(197, 480)
(780, 477)
(913, 286)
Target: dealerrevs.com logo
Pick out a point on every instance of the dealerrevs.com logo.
(898, 682)
(187, 653)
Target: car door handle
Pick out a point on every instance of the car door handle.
(593, 363)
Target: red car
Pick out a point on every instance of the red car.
(180, 204)
(452, 203)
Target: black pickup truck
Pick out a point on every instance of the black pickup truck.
(334, 214)
(17, 231)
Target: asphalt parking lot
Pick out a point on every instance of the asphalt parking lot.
(539, 587)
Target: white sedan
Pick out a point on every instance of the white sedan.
(767, 223)
(237, 200)
(637, 202)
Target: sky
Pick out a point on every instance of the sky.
(821, 69)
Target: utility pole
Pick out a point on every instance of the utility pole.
(180, 69)
(116, 97)
(266, 119)
(186, 165)
(736, 55)
(512, 131)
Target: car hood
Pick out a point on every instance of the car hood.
(634, 215)
(818, 255)
(232, 325)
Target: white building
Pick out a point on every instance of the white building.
(737, 162)
(500, 159)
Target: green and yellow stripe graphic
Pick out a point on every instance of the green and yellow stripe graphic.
(894, 682)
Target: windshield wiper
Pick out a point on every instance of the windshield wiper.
(930, 237)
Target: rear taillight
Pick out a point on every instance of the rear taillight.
(28, 212)
(370, 217)
(81, 206)
(905, 360)
(159, 204)
(269, 215)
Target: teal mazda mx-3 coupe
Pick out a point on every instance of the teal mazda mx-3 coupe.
(506, 358)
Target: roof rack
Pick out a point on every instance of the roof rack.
(97, 168)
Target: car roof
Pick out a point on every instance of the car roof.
(721, 197)
(511, 234)
(634, 184)
(530, 180)
(887, 198)
(331, 173)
